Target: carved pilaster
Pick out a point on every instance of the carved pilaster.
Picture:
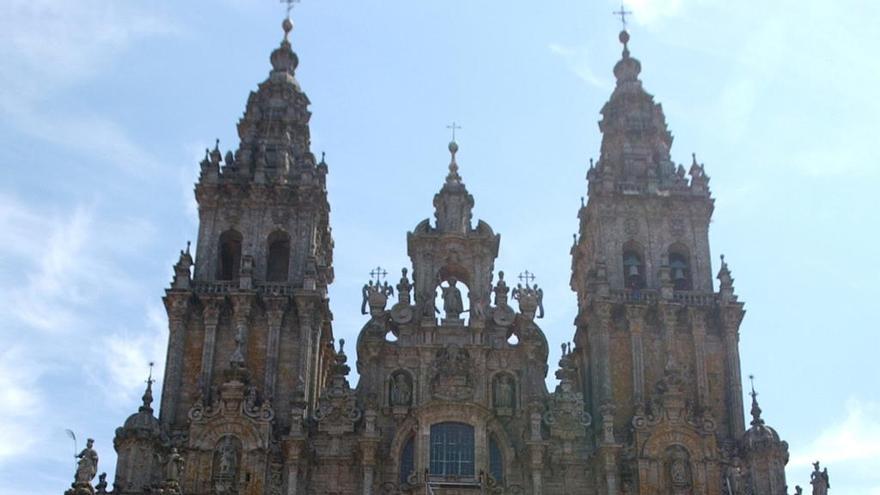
(731, 316)
(636, 317)
(306, 306)
(176, 304)
(275, 308)
(211, 316)
(669, 317)
(602, 349)
(698, 323)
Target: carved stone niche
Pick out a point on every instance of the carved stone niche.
(504, 394)
(400, 392)
(678, 471)
(225, 465)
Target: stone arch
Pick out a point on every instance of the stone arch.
(680, 266)
(634, 265)
(495, 430)
(229, 255)
(278, 256)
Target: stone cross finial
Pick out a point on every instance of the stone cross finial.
(622, 13)
(454, 127)
(289, 5)
(378, 274)
(527, 277)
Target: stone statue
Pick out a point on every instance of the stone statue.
(452, 303)
(819, 480)
(174, 467)
(101, 487)
(504, 392)
(798, 490)
(401, 391)
(250, 398)
(228, 459)
(87, 467)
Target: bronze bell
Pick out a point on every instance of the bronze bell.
(633, 271)
(678, 275)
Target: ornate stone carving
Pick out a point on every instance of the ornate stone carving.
(565, 414)
(452, 374)
(337, 410)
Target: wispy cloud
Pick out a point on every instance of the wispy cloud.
(850, 445)
(578, 60)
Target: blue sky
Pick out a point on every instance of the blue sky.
(106, 107)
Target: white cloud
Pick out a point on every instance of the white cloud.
(578, 60)
(21, 402)
(650, 11)
(849, 447)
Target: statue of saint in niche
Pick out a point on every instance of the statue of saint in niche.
(452, 302)
(401, 391)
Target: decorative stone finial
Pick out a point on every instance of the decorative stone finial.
(148, 393)
(756, 409)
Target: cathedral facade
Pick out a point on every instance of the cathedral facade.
(256, 398)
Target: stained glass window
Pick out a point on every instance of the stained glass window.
(452, 450)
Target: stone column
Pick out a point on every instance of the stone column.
(731, 316)
(211, 315)
(636, 317)
(176, 304)
(275, 307)
(699, 332)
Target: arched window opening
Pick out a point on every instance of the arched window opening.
(633, 270)
(452, 450)
(496, 463)
(680, 270)
(229, 255)
(278, 260)
(407, 461)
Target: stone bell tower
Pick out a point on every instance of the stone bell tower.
(250, 328)
(656, 345)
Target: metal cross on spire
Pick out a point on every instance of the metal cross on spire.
(150, 380)
(289, 5)
(752, 380)
(622, 13)
(454, 127)
(378, 273)
(527, 277)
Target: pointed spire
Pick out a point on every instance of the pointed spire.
(148, 393)
(756, 409)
